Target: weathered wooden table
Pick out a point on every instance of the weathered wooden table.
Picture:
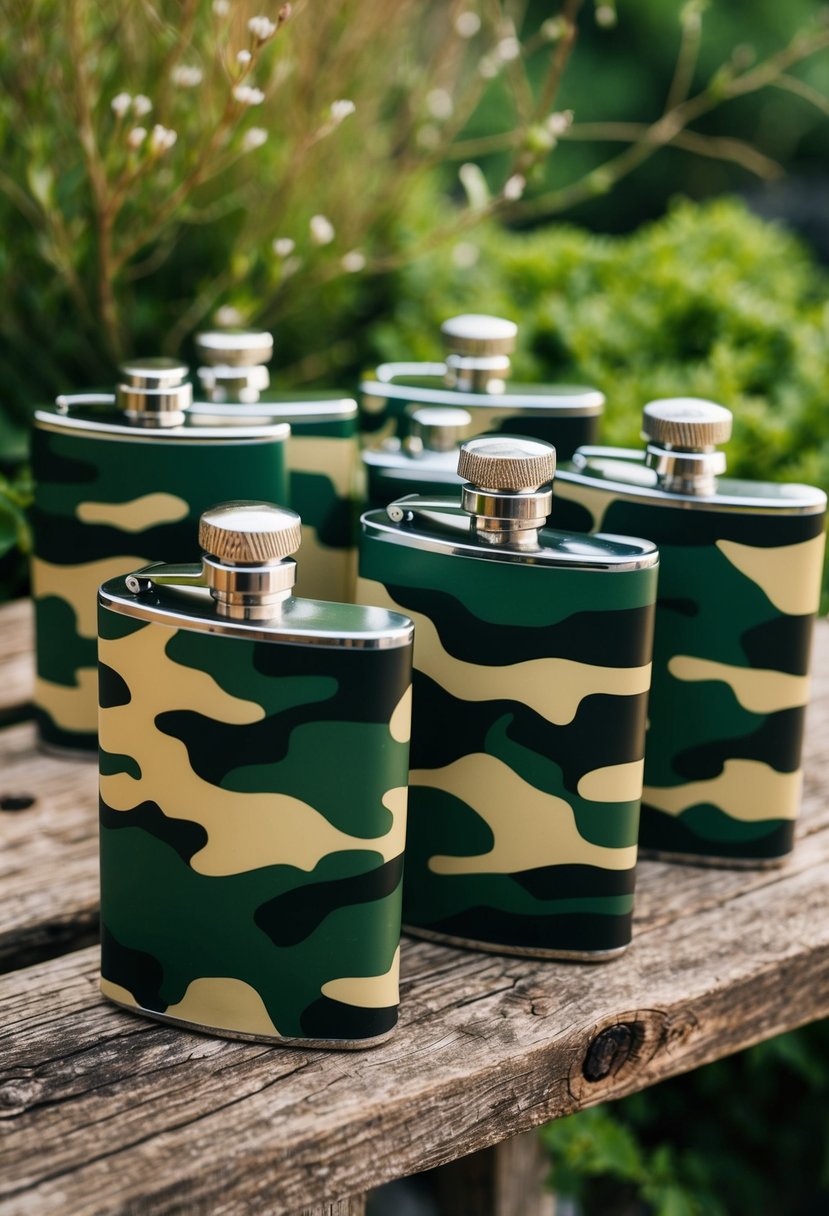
(104, 1112)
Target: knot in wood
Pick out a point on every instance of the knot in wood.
(608, 1051)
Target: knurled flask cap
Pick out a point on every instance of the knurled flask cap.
(507, 462)
(249, 533)
(686, 422)
(234, 347)
(479, 334)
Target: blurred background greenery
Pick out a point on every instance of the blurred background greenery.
(641, 185)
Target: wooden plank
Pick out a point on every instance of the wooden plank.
(17, 669)
(133, 1115)
(49, 850)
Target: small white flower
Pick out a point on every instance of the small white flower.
(606, 16)
(353, 261)
(290, 266)
(514, 187)
(221, 7)
(136, 137)
(428, 136)
(341, 109)
(553, 29)
(488, 67)
(283, 246)
(120, 103)
(321, 229)
(508, 48)
(465, 254)
(262, 28)
(162, 138)
(439, 103)
(141, 105)
(248, 95)
(227, 317)
(559, 122)
(467, 24)
(243, 57)
(186, 76)
(254, 137)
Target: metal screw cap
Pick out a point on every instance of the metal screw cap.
(153, 373)
(249, 533)
(507, 462)
(439, 428)
(686, 422)
(234, 347)
(478, 334)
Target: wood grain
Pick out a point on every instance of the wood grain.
(48, 851)
(134, 1113)
(17, 668)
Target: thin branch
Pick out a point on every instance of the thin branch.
(686, 60)
(791, 84)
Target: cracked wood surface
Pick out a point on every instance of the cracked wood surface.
(17, 668)
(105, 1112)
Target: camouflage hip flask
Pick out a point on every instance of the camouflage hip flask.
(739, 585)
(253, 764)
(532, 667)
(322, 452)
(120, 479)
(475, 377)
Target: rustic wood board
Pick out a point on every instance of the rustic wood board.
(106, 1112)
(17, 668)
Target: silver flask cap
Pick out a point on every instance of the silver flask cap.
(233, 363)
(508, 487)
(154, 392)
(682, 435)
(478, 347)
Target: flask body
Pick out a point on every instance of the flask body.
(530, 687)
(253, 806)
(323, 470)
(739, 587)
(109, 497)
(566, 416)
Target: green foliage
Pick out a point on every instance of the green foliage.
(748, 1136)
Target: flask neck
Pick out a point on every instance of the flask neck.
(691, 471)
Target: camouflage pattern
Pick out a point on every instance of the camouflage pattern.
(529, 698)
(738, 593)
(323, 458)
(106, 504)
(384, 410)
(253, 807)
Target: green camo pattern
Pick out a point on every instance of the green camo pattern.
(738, 594)
(323, 465)
(530, 690)
(253, 808)
(105, 506)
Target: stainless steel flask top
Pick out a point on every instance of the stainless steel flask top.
(247, 563)
(682, 460)
(507, 487)
(477, 352)
(683, 434)
(435, 428)
(234, 362)
(475, 373)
